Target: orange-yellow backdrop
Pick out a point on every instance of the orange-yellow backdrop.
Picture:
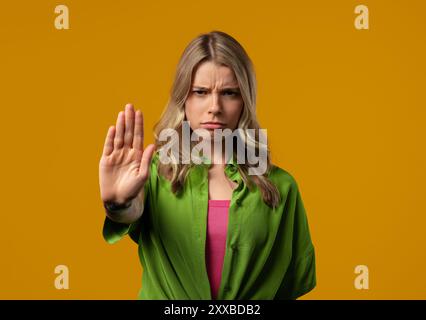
(344, 110)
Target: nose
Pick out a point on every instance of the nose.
(214, 106)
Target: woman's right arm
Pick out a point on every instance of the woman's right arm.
(124, 167)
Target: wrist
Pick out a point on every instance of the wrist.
(113, 206)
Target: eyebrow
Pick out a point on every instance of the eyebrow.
(225, 88)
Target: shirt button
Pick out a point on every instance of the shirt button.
(234, 246)
(238, 202)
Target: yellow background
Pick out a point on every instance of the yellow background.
(344, 110)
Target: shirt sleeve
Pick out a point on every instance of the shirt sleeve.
(300, 277)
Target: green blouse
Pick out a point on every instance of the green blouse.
(269, 253)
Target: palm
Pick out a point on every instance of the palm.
(124, 165)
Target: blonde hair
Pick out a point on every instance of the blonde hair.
(222, 49)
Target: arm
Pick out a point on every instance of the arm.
(124, 168)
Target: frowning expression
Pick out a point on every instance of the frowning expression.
(214, 100)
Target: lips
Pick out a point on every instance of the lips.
(212, 125)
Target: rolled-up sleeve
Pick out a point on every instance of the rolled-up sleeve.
(114, 231)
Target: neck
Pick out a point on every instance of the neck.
(217, 157)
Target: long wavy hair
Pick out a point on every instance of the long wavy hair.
(222, 49)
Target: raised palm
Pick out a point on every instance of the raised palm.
(124, 165)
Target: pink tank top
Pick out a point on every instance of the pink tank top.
(217, 226)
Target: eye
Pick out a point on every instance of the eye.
(230, 93)
(199, 92)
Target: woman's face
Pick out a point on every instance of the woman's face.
(214, 100)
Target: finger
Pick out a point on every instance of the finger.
(146, 160)
(119, 131)
(138, 135)
(109, 141)
(129, 125)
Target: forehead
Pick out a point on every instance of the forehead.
(209, 73)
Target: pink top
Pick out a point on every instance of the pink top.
(217, 226)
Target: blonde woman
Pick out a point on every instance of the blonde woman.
(206, 230)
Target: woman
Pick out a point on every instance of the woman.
(206, 230)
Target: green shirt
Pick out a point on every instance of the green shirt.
(269, 253)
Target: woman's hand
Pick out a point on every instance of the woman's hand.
(124, 165)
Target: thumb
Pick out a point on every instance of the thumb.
(146, 160)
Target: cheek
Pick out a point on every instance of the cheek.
(192, 111)
(235, 114)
